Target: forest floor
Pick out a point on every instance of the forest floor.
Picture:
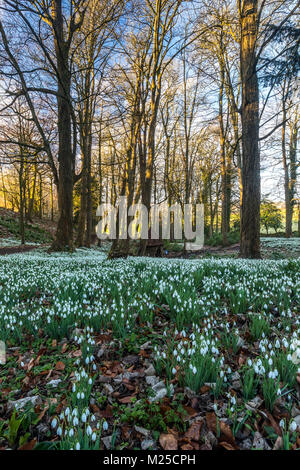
(148, 353)
(39, 231)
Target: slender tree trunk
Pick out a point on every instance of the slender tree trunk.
(31, 195)
(224, 227)
(83, 203)
(52, 200)
(89, 215)
(21, 185)
(64, 234)
(288, 208)
(41, 198)
(250, 214)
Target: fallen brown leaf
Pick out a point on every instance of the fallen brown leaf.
(168, 442)
(28, 445)
(193, 433)
(60, 366)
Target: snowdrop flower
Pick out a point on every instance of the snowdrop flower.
(77, 446)
(54, 423)
(293, 426)
(75, 421)
(105, 426)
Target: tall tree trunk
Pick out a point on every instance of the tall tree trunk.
(21, 187)
(52, 199)
(64, 233)
(83, 203)
(89, 215)
(288, 208)
(293, 164)
(250, 214)
(224, 225)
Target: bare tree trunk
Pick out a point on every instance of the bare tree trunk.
(89, 215)
(288, 208)
(83, 203)
(52, 200)
(250, 214)
(32, 195)
(64, 234)
(21, 185)
(41, 198)
(224, 226)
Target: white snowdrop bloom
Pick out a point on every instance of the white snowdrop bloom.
(82, 395)
(282, 424)
(174, 371)
(89, 430)
(71, 432)
(83, 418)
(277, 344)
(293, 426)
(54, 423)
(105, 426)
(75, 421)
(94, 437)
(77, 446)
(59, 431)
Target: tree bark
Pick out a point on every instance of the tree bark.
(250, 214)
(64, 234)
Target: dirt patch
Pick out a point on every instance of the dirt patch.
(207, 250)
(11, 250)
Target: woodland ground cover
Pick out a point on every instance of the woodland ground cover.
(149, 354)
